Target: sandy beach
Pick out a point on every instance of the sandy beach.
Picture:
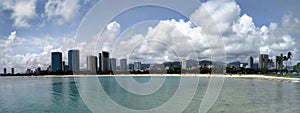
(243, 76)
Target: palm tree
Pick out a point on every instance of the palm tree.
(279, 62)
(288, 57)
(281, 58)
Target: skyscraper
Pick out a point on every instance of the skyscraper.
(4, 70)
(73, 60)
(113, 64)
(56, 61)
(183, 64)
(12, 70)
(91, 63)
(250, 62)
(123, 64)
(63, 66)
(100, 62)
(263, 61)
(105, 61)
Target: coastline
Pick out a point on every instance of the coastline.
(242, 76)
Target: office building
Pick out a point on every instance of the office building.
(263, 61)
(4, 70)
(91, 63)
(100, 62)
(105, 61)
(137, 66)
(63, 66)
(113, 64)
(250, 62)
(67, 68)
(12, 70)
(56, 61)
(183, 64)
(73, 60)
(123, 64)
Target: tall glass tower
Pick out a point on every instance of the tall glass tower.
(73, 60)
(56, 61)
(105, 61)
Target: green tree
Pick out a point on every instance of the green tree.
(296, 68)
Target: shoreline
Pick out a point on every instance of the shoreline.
(243, 76)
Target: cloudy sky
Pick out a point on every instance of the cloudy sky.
(149, 32)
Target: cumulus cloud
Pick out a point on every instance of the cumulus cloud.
(240, 34)
(22, 11)
(61, 10)
(30, 52)
(215, 21)
(291, 23)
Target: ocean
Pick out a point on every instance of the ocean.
(146, 94)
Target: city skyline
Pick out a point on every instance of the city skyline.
(249, 28)
(58, 66)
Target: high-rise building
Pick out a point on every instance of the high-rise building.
(183, 64)
(105, 61)
(113, 64)
(67, 68)
(263, 61)
(137, 66)
(91, 63)
(63, 66)
(12, 70)
(4, 70)
(73, 60)
(56, 61)
(123, 64)
(100, 62)
(250, 62)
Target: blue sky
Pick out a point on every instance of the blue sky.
(53, 25)
(263, 12)
(266, 11)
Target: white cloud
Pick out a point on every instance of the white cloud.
(31, 52)
(291, 23)
(241, 37)
(61, 10)
(220, 13)
(22, 11)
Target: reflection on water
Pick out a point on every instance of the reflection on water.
(55, 94)
(60, 94)
(139, 102)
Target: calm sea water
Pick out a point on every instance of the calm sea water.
(62, 94)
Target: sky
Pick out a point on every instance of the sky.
(148, 31)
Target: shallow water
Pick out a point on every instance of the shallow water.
(62, 94)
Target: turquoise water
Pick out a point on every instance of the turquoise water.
(60, 94)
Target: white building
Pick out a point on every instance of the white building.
(250, 62)
(91, 63)
(123, 64)
(113, 64)
(183, 64)
(263, 61)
